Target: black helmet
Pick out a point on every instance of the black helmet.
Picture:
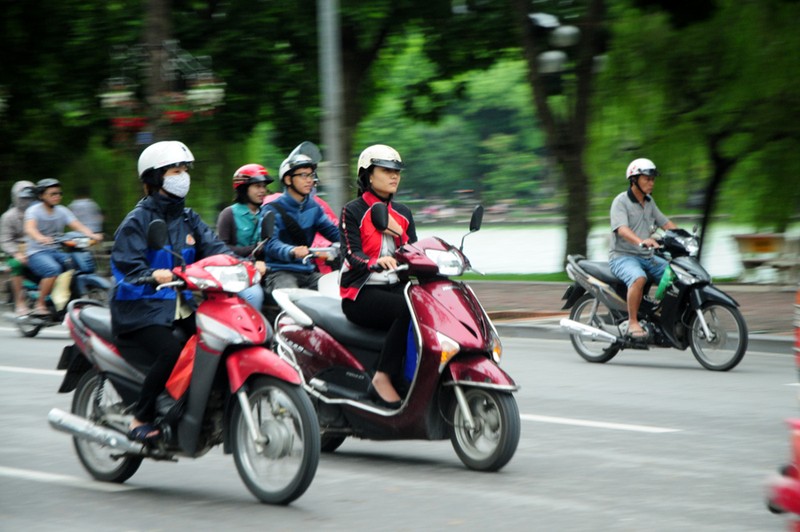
(44, 184)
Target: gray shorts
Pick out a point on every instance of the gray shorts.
(287, 279)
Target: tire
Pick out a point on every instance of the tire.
(729, 343)
(282, 471)
(103, 463)
(589, 349)
(28, 326)
(494, 440)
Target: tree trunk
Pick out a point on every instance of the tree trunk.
(157, 30)
(721, 166)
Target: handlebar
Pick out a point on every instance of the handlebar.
(331, 252)
(377, 268)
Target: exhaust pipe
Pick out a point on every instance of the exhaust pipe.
(81, 428)
(587, 330)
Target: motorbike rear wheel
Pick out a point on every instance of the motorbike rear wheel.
(491, 444)
(728, 344)
(103, 463)
(589, 349)
(283, 469)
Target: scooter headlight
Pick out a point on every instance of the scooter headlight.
(450, 262)
(232, 279)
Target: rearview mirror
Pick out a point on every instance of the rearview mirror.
(267, 225)
(157, 234)
(380, 216)
(477, 219)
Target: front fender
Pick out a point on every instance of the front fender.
(709, 293)
(479, 371)
(245, 362)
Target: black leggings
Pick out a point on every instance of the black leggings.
(161, 347)
(383, 307)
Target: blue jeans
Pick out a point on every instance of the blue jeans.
(629, 268)
(48, 263)
(254, 295)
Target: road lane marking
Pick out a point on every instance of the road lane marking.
(64, 480)
(32, 371)
(596, 424)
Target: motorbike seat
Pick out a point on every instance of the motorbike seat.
(327, 313)
(98, 319)
(602, 271)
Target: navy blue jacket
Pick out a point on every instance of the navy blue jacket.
(134, 306)
(312, 220)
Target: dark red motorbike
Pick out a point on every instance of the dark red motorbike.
(227, 388)
(453, 386)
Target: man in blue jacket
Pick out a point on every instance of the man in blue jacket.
(297, 219)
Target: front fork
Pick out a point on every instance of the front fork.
(464, 407)
(259, 439)
(704, 325)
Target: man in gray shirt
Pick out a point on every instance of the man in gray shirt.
(634, 217)
(44, 221)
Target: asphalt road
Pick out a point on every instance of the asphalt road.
(649, 441)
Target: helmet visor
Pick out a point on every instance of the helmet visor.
(650, 172)
(386, 163)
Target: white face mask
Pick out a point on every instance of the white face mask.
(177, 185)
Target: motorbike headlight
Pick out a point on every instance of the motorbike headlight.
(684, 276)
(691, 244)
(230, 278)
(449, 262)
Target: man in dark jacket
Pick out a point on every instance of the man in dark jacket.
(297, 219)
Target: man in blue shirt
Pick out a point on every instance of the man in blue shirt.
(298, 217)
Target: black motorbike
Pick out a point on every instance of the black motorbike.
(689, 311)
(82, 281)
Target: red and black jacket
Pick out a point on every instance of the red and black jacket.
(361, 241)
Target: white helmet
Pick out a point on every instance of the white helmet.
(379, 155)
(163, 154)
(641, 167)
(292, 162)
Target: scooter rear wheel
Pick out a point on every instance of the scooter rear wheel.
(103, 463)
(597, 351)
(493, 441)
(280, 471)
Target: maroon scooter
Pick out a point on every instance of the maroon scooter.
(452, 384)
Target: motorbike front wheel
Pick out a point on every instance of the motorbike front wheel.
(589, 349)
(491, 443)
(93, 398)
(726, 346)
(281, 470)
(29, 326)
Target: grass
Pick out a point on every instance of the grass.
(558, 277)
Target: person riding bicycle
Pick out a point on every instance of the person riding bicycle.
(634, 217)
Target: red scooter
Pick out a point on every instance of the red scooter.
(227, 388)
(452, 387)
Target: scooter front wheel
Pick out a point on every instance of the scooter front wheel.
(29, 326)
(492, 441)
(726, 346)
(280, 470)
(597, 351)
(93, 398)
